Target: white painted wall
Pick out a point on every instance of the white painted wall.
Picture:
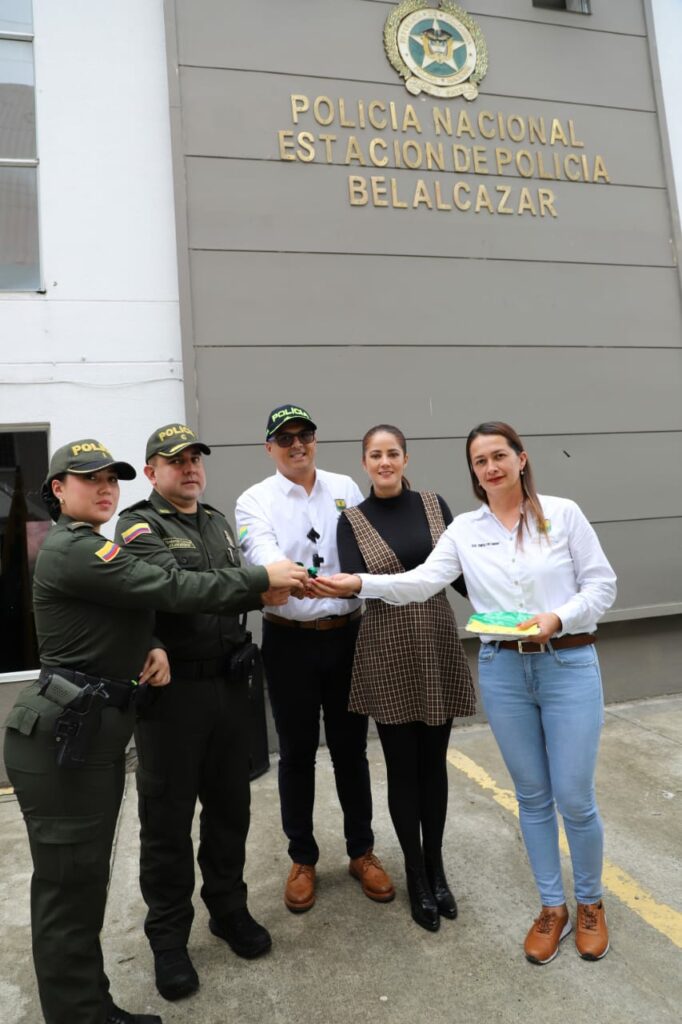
(668, 30)
(99, 353)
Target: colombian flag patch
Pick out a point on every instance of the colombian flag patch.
(108, 551)
(135, 531)
(242, 533)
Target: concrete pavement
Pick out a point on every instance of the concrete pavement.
(349, 960)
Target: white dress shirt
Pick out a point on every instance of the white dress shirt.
(274, 518)
(563, 571)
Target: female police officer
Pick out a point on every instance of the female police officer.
(66, 735)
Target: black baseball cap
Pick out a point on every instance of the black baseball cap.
(284, 414)
(171, 439)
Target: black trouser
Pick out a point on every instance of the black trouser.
(308, 670)
(417, 775)
(70, 815)
(192, 742)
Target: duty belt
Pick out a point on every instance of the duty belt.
(120, 692)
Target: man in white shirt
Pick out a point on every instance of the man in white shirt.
(308, 647)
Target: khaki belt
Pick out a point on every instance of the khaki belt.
(329, 622)
(532, 647)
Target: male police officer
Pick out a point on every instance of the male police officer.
(193, 741)
(308, 651)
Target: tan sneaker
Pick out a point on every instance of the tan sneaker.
(591, 933)
(542, 941)
(375, 881)
(299, 893)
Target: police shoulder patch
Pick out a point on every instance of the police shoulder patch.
(108, 551)
(137, 530)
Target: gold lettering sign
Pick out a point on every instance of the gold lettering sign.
(389, 135)
(439, 49)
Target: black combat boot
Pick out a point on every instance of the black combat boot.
(119, 1016)
(244, 936)
(175, 974)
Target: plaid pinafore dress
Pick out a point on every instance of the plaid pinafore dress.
(409, 662)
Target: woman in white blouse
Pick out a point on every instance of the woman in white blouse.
(535, 555)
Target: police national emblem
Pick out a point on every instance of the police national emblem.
(436, 47)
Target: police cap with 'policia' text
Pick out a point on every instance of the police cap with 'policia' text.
(172, 439)
(87, 456)
(284, 414)
(81, 457)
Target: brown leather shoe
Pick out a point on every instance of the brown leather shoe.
(542, 941)
(591, 933)
(299, 893)
(374, 880)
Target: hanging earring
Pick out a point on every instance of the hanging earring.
(61, 501)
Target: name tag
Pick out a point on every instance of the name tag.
(174, 543)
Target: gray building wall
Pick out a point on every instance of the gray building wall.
(567, 326)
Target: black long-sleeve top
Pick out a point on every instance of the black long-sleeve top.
(401, 521)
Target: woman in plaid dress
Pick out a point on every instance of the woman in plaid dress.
(410, 672)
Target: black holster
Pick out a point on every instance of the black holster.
(246, 664)
(82, 697)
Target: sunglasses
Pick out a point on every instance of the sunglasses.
(286, 440)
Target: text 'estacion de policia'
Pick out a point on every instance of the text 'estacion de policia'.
(396, 136)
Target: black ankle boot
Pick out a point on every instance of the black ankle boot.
(435, 873)
(422, 903)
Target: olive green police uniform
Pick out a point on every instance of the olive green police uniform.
(193, 741)
(94, 613)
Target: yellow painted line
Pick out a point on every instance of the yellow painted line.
(6, 792)
(622, 885)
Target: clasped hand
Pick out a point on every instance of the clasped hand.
(341, 584)
(287, 579)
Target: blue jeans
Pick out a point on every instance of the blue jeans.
(546, 712)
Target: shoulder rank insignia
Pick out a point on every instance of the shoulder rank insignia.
(108, 551)
(135, 531)
(340, 504)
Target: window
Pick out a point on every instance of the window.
(574, 6)
(24, 523)
(19, 264)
